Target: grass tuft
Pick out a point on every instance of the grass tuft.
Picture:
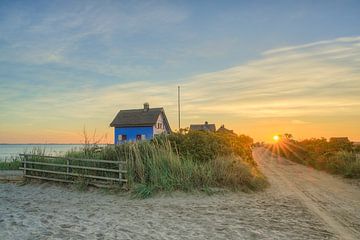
(10, 164)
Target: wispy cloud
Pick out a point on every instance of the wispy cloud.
(294, 81)
(289, 83)
(314, 44)
(78, 34)
(299, 122)
(321, 79)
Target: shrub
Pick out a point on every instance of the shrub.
(205, 146)
(337, 156)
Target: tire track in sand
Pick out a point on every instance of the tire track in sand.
(281, 177)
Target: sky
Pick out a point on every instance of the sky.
(258, 67)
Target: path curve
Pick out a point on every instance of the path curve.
(335, 202)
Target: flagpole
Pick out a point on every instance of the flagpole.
(179, 106)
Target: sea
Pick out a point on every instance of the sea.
(10, 151)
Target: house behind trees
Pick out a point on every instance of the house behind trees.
(139, 124)
(203, 127)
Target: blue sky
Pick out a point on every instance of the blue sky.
(69, 64)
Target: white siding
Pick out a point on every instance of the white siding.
(159, 129)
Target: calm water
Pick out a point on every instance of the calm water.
(8, 151)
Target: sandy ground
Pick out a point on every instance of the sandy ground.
(11, 176)
(300, 204)
(333, 200)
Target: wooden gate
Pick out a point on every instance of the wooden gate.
(69, 170)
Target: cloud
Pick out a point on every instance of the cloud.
(314, 44)
(62, 33)
(299, 122)
(313, 80)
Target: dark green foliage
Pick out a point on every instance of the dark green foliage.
(204, 146)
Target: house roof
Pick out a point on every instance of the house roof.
(223, 129)
(339, 139)
(203, 127)
(139, 117)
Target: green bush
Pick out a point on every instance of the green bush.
(344, 163)
(205, 146)
(337, 156)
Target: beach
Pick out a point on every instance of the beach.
(302, 208)
(46, 211)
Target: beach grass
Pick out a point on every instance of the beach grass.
(154, 166)
(10, 164)
(170, 163)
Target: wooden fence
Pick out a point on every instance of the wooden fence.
(69, 170)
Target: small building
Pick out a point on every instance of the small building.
(139, 124)
(223, 129)
(203, 127)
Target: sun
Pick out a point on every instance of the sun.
(276, 138)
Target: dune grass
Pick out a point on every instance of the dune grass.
(154, 166)
(344, 163)
(171, 163)
(10, 164)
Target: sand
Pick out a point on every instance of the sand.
(300, 204)
(11, 176)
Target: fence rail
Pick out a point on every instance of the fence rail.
(67, 169)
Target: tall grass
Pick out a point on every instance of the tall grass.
(10, 164)
(197, 161)
(154, 166)
(344, 163)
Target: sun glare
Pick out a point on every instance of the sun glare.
(276, 138)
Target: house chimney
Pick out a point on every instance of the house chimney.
(146, 107)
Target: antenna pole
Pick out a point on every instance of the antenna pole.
(179, 106)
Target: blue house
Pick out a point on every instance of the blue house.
(139, 124)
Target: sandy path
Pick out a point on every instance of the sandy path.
(335, 202)
(48, 211)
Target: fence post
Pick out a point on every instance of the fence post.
(67, 168)
(25, 159)
(120, 175)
